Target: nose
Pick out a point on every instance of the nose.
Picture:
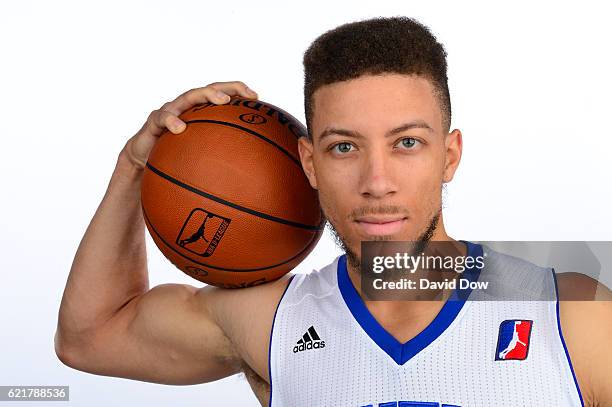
(377, 175)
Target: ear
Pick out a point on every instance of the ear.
(305, 148)
(453, 144)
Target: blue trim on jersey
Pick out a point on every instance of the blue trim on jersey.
(402, 352)
(569, 360)
(270, 342)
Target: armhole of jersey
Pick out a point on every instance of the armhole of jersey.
(272, 333)
(560, 331)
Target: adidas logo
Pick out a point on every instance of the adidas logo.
(310, 340)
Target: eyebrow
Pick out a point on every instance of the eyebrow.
(415, 124)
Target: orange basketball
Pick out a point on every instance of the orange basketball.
(227, 201)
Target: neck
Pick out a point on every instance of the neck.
(405, 318)
(438, 236)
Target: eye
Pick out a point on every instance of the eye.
(409, 142)
(344, 147)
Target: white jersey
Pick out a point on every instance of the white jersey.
(326, 349)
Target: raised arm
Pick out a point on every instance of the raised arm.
(109, 321)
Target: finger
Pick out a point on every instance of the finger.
(217, 93)
(234, 88)
(175, 124)
(168, 120)
(160, 120)
(195, 96)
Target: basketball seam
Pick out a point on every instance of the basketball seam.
(251, 132)
(228, 203)
(306, 247)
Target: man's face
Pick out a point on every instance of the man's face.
(379, 158)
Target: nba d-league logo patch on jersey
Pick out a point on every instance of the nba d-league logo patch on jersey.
(513, 339)
(310, 340)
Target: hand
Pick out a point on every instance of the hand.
(137, 148)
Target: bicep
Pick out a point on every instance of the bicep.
(164, 336)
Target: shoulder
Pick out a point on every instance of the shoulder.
(579, 287)
(585, 312)
(245, 315)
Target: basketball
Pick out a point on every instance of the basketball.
(226, 200)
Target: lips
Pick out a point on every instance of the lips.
(379, 219)
(380, 225)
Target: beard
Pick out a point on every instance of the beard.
(354, 260)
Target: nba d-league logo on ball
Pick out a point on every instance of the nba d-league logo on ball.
(198, 225)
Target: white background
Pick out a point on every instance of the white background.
(530, 88)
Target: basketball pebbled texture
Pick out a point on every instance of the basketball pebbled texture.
(226, 200)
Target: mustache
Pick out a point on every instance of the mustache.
(377, 210)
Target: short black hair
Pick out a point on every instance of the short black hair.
(372, 47)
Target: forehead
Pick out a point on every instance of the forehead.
(373, 101)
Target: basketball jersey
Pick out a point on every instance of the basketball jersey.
(326, 349)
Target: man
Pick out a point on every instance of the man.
(378, 152)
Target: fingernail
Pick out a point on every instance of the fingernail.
(221, 95)
(179, 125)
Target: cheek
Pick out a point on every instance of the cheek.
(336, 208)
(331, 202)
(334, 187)
(430, 197)
(424, 187)
(335, 183)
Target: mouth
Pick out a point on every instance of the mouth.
(380, 225)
